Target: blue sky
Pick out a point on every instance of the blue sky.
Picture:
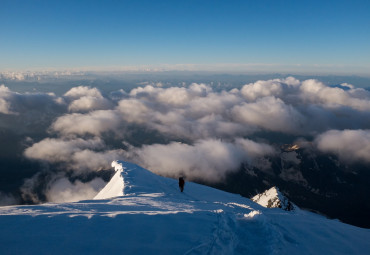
(307, 36)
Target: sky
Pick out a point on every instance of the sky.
(175, 124)
(301, 36)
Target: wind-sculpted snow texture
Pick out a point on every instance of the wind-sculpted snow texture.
(151, 216)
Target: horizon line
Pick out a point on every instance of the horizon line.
(226, 68)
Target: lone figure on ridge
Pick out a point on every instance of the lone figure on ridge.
(181, 183)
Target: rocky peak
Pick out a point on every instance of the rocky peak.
(273, 198)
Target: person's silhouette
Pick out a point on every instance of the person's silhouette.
(181, 183)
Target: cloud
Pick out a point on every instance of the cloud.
(88, 160)
(194, 118)
(17, 103)
(87, 103)
(271, 114)
(316, 92)
(59, 150)
(275, 87)
(76, 154)
(29, 188)
(212, 104)
(262, 89)
(94, 123)
(193, 113)
(28, 113)
(133, 110)
(208, 160)
(5, 107)
(199, 112)
(5, 94)
(84, 99)
(208, 119)
(118, 95)
(56, 187)
(18, 76)
(81, 91)
(172, 95)
(65, 158)
(348, 145)
(62, 190)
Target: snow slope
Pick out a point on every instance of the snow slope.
(151, 216)
(115, 186)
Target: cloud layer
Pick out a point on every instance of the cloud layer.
(207, 160)
(62, 190)
(349, 145)
(205, 132)
(75, 154)
(195, 112)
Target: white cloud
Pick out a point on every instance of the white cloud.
(34, 103)
(209, 120)
(269, 113)
(212, 104)
(84, 99)
(4, 103)
(275, 87)
(58, 150)
(209, 160)
(200, 117)
(316, 92)
(5, 107)
(62, 190)
(94, 123)
(174, 96)
(280, 105)
(134, 110)
(194, 112)
(262, 89)
(349, 145)
(81, 91)
(18, 76)
(88, 103)
(88, 160)
(76, 154)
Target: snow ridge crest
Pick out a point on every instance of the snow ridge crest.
(115, 186)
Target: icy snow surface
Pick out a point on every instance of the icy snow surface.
(151, 216)
(115, 187)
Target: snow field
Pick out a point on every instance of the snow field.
(143, 213)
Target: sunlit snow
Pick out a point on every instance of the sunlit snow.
(143, 213)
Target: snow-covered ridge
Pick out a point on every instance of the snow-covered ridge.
(131, 179)
(149, 215)
(115, 186)
(273, 198)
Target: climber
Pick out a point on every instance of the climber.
(181, 183)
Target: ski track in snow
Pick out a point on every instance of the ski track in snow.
(151, 216)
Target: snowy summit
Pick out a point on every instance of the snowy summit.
(273, 198)
(139, 212)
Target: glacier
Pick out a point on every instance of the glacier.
(139, 212)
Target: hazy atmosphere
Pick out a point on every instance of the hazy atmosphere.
(239, 95)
